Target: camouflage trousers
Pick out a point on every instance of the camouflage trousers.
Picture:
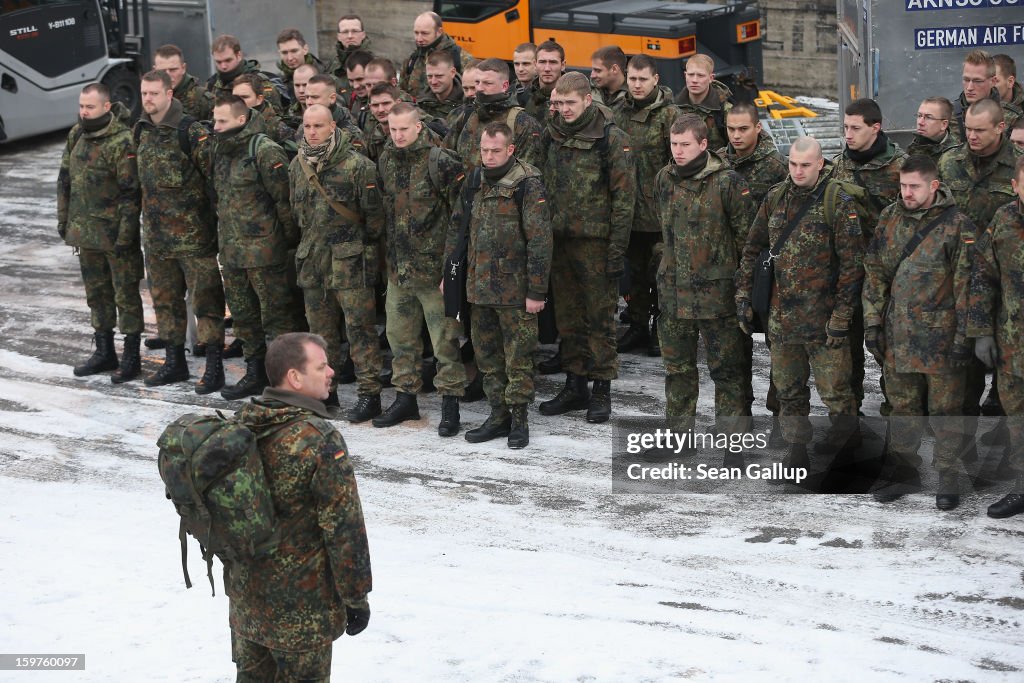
(169, 279)
(505, 340)
(723, 342)
(407, 307)
(261, 304)
(643, 290)
(1011, 393)
(327, 310)
(256, 663)
(914, 395)
(792, 365)
(587, 300)
(112, 289)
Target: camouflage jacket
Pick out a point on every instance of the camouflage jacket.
(196, 100)
(218, 84)
(509, 257)
(464, 135)
(980, 185)
(342, 119)
(932, 148)
(763, 169)
(704, 222)
(98, 197)
(279, 131)
(440, 109)
(614, 100)
(418, 207)
(819, 270)
(180, 219)
(997, 287)
(880, 176)
(294, 599)
(337, 252)
(288, 73)
(336, 66)
(1014, 108)
(414, 75)
(713, 109)
(647, 126)
(590, 177)
(1011, 111)
(255, 224)
(538, 101)
(922, 300)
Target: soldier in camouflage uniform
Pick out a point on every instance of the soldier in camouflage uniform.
(550, 67)
(231, 63)
(1016, 135)
(337, 206)
(507, 268)
(1011, 94)
(494, 102)
(382, 98)
(979, 83)
(355, 68)
(420, 182)
(320, 90)
(933, 137)
(250, 88)
(818, 275)
(195, 100)
(608, 76)
(705, 209)
(705, 96)
(915, 317)
(255, 231)
(180, 232)
(429, 35)
(753, 155)
(645, 114)
(300, 79)
(351, 38)
(287, 608)
(524, 64)
(995, 321)
(445, 86)
(98, 214)
(294, 51)
(591, 180)
(979, 174)
(871, 161)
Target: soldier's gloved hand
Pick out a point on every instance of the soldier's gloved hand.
(961, 356)
(124, 250)
(745, 316)
(358, 619)
(986, 351)
(614, 269)
(873, 340)
(836, 331)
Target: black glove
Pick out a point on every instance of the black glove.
(961, 356)
(986, 350)
(874, 341)
(124, 250)
(836, 331)
(358, 619)
(745, 316)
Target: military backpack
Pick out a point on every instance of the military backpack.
(212, 472)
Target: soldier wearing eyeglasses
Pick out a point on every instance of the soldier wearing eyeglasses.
(933, 137)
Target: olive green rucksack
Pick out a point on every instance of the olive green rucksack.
(212, 471)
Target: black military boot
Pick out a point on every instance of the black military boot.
(213, 374)
(948, 496)
(131, 361)
(102, 359)
(450, 418)
(252, 384)
(366, 407)
(498, 423)
(634, 338)
(404, 408)
(175, 368)
(234, 349)
(574, 396)
(199, 350)
(1011, 504)
(155, 343)
(519, 433)
(600, 408)
(775, 438)
(474, 390)
(551, 366)
(1000, 434)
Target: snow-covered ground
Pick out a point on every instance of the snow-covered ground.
(489, 564)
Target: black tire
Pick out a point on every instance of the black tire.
(124, 86)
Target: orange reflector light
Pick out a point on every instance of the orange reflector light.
(748, 31)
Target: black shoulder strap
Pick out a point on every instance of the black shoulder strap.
(923, 233)
(791, 226)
